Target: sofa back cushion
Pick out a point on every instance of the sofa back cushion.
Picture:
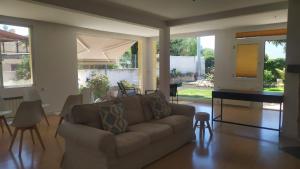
(146, 99)
(133, 108)
(87, 114)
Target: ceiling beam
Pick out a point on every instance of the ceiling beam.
(229, 13)
(108, 10)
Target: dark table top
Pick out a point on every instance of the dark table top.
(271, 97)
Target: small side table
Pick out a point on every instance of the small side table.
(2, 118)
(203, 118)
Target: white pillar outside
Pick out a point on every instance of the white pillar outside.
(164, 61)
(148, 70)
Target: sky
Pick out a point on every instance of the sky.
(18, 29)
(208, 42)
(274, 52)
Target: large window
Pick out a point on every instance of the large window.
(15, 56)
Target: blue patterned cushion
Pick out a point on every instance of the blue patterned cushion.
(159, 106)
(113, 118)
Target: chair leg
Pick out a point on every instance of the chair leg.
(13, 138)
(32, 138)
(21, 143)
(195, 125)
(45, 116)
(7, 126)
(59, 123)
(39, 136)
(202, 128)
(209, 128)
(1, 126)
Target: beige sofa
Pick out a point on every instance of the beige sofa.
(147, 140)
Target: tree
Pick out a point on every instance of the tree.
(183, 47)
(269, 78)
(23, 70)
(207, 52)
(208, 55)
(273, 64)
(281, 42)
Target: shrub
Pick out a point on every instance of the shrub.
(99, 84)
(269, 78)
(23, 69)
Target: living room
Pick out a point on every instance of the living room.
(55, 26)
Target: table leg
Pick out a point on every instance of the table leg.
(221, 109)
(280, 112)
(212, 112)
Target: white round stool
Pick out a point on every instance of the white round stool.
(203, 118)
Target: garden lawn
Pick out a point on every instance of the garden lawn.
(195, 93)
(274, 89)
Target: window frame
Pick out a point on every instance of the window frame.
(31, 51)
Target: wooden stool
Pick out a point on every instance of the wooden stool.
(202, 117)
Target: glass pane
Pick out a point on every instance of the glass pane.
(246, 60)
(15, 56)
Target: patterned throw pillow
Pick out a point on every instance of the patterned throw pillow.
(113, 118)
(159, 106)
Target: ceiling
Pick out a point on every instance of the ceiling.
(28, 10)
(175, 9)
(273, 17)
(165, 9)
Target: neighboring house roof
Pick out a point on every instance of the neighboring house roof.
(99, 50)
(6, 36)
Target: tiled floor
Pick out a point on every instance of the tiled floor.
(231, 147)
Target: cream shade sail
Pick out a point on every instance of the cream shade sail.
(98, 50)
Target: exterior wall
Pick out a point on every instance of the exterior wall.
(184, 64)
(114, 75)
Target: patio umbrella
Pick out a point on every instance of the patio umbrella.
(99, 50)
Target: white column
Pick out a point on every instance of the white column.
(148, 64)
(164, 61)
(291, 97)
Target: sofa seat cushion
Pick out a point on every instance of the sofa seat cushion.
(154, 131)
(177, 122)
(130, 141)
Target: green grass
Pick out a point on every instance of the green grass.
(274, 89)
(195, 93)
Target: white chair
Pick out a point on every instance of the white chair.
(3, 112)
(31, 94)
(27, 117)
(71, 101)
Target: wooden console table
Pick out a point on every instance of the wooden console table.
(268, 97)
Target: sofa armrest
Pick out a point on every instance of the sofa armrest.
(181, 109)
(89, 137)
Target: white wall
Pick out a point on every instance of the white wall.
(54, 54)
(114, 75)
(184, 64)
(225, 42)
